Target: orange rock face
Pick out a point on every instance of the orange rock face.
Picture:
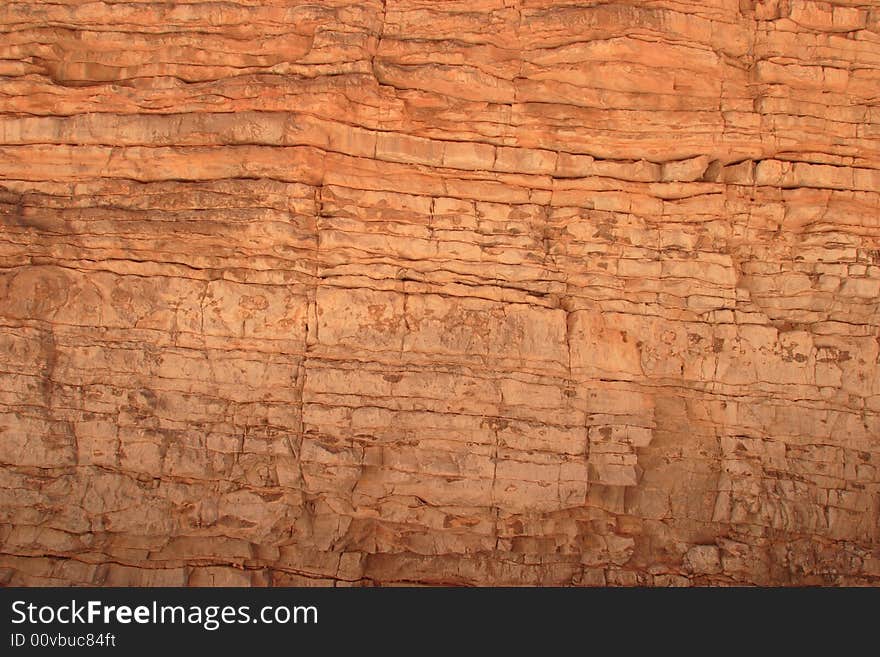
(461, 292)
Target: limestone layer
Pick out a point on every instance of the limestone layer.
(440, 292)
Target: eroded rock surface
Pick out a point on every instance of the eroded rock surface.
(478, 292)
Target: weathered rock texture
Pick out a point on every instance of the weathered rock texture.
(477, 292)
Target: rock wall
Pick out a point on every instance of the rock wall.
(459, 292)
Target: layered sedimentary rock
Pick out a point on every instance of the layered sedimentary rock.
(478, 292)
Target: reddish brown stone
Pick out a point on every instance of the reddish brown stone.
(483, 292)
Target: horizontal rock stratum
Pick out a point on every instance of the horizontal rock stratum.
(482, 292)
